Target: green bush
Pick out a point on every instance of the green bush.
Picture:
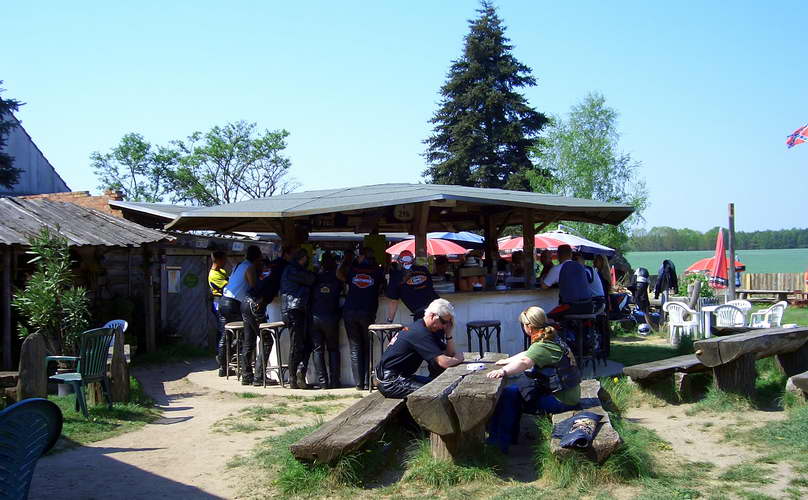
(687, 279)
(49, 303)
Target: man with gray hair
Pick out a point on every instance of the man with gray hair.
(421, 341)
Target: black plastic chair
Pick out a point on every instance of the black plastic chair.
(28, 430)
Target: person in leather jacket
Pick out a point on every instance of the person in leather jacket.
(296, 284)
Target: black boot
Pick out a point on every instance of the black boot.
(300, 377)
(222, 364)
(320, 371)
(333, 369)
(358, 370)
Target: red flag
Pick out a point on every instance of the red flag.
(798, 137)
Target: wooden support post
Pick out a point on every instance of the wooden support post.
(33, 380)
(731, 244)
(457, 447)
(529, 246)
(794, 362)
(119, 370)
(491, 251)
(419, 227)
(7, 344)
(737, 376)
(148, 298)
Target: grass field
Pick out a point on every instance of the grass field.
(793, 260)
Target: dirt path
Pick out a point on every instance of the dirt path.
(178, 456)
(700, 438)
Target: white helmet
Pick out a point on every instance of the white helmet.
(644, 329)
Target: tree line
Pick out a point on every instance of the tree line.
(667, 238)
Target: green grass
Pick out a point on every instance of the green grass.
(635, 350)
(798, 315)
(248, 395)
(171, 354)
(747, 473)
(103, 422)
(781, 260)
(441, 474)
(523, 492)
(262, 417)
(784, 440)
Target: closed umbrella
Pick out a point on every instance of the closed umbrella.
(718, 273)
(434, 246)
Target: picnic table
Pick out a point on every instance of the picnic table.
(455, 407)
(780, 294)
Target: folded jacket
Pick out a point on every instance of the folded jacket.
(578, 431)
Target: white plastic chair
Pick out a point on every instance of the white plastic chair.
(770, 318)
(729, 315)
(678, 325)
(743, 305)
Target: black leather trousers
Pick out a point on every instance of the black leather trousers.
(356, 327)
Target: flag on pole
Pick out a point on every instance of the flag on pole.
(798, 137)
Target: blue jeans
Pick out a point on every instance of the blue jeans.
(503, 427)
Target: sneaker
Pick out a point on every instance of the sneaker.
(300, 379)
(245, 380)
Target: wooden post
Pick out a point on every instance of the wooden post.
(119, 370)
(7, 345)
(457, 447)
(148, 297)
(529, 246)
(490, 234)
(731, 244)
(419, 227)
(737, 376)
(33, 381)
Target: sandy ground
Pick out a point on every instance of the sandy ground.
(699, 438)
(178, 456)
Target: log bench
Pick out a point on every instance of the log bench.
(798, 385)
(751, 294)
(680, 367)
(349, 431)
(606, 441)
(732, 358)
(455, 407)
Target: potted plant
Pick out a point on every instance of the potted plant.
(49, 303)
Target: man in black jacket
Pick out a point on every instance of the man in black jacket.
(325, 313)
(295, 291)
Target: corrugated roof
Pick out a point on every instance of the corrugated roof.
(248, 215)
(20, 219)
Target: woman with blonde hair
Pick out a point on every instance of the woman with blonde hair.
(555, 385)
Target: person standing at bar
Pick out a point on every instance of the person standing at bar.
(217, 279)
(365, 280)
(295, 292)
(244, 277)
(325, 313)
(413, 285)
(573, 286)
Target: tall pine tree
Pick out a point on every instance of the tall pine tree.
(9, 175)
(484, 128)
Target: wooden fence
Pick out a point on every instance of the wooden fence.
(773, 281)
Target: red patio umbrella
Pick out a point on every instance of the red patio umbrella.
(718, 273)
(434, 246)
(706, 265)
(539, 242)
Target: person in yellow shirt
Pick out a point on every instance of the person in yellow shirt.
(217, 279)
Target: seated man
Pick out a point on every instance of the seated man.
(420, 342)
(574, 296)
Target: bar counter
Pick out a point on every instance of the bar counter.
(502, 305)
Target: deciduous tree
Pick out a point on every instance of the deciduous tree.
(484, 128)
(582, 156)
(140, 171)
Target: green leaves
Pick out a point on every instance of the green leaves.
(226, 164)
(50, 304)
(9, 175)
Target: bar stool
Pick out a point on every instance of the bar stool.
(484, 329)
(233, 330)
(381, 332)
(275, 329)
(579, 323)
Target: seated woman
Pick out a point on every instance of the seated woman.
(555, 380)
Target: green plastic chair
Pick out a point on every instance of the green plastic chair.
(91, 365)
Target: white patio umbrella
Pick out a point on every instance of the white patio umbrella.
(579, 244)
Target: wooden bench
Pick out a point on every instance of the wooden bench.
(349, 431)
(606, 441)
(798, 385)
(680, 367)
(732, 358)
(455, 407)
(748, 294)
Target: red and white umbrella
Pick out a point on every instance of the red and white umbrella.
(539, 242)
(706, 265)
(578, 243)
(434, 246)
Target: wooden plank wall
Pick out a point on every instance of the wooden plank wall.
(773, 281)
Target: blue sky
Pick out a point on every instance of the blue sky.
(706, 91)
